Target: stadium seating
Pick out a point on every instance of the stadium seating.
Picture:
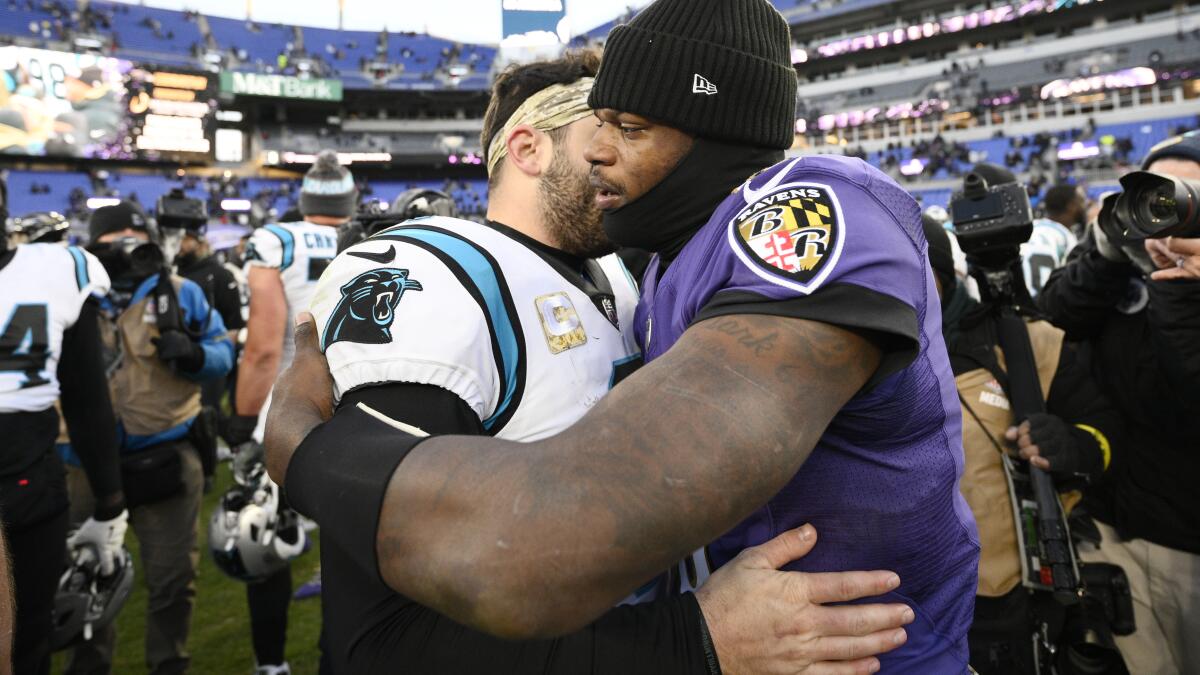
(148, 29)
(18, 17)
(60, 183)
(262, 42)
(803, 11)
(344, 50)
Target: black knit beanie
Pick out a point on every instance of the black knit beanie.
(116, 218)
(328, 188)
(720, 69)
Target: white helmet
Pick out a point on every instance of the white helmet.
(250, 535)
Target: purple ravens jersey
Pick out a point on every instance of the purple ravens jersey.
(831, 239)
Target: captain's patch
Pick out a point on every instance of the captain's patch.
(560, 322)
(792, 234)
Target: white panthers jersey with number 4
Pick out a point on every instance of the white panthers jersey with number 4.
(527, 343)
(300, 251)
(42, 289)
(1045, 252)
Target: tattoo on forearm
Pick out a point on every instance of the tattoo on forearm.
(705, 434)
(759, 343)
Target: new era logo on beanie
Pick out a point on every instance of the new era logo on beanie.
(328, 188)
(116, 218)
(702, 86)
(665, 65)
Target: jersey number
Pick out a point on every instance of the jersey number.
(1039, 267)
(25, 344)
(316, 267)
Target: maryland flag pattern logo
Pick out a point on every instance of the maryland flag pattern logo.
(795, 231)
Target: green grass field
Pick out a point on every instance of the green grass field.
(220, 638)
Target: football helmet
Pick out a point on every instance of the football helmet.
(42, 227)
(251, 536)
(88, 601)
(420, 202)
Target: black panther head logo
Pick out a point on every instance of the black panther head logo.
(368, 307)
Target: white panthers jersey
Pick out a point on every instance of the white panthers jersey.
(42, 289)
(300, 251)
(465, 307)
(1045, 252)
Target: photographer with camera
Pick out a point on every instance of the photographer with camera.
(195, 262)
(164, 340)
(1142, 334)
(1070, 439)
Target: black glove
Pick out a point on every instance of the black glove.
(1069, 450)
(237, 430)
(178, 350)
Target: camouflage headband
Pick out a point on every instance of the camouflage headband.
(552, 108)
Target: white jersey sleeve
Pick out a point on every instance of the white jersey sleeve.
(394, 311)
(268, 248)
(44, 289)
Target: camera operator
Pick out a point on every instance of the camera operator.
(197, 262)
(164, 341)
(1143, 340)
(1067, 441)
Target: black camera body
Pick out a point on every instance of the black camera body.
(991, 218)
(1152, 206)
(176, 210)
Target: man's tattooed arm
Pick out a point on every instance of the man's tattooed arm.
(537, 539)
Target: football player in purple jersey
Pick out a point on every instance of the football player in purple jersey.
(796, 374)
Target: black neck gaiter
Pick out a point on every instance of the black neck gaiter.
(664, 219)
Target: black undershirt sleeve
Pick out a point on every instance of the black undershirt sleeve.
(227, 300)
(373, 629)
(88, 411)
(882, 319)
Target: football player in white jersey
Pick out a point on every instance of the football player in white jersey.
(1053, 236)
(50, 348)
(511, 329)
(283, 264)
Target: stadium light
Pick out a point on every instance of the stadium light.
(235, 204)
(1078, 150)
(94, 203)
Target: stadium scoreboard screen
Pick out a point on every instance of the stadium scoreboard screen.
(172, 113)
(97, 107)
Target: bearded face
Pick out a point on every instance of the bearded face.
(567, 202)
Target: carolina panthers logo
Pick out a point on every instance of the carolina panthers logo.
(368, 307)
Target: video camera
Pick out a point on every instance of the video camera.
(175, 210)
(991, 222)
(1152, 206)
(376, 216)
(990, 219)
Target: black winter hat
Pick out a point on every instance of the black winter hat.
(720, 69)
(120, 216)
(1184, 146)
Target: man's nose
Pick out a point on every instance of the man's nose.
(599, 152)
